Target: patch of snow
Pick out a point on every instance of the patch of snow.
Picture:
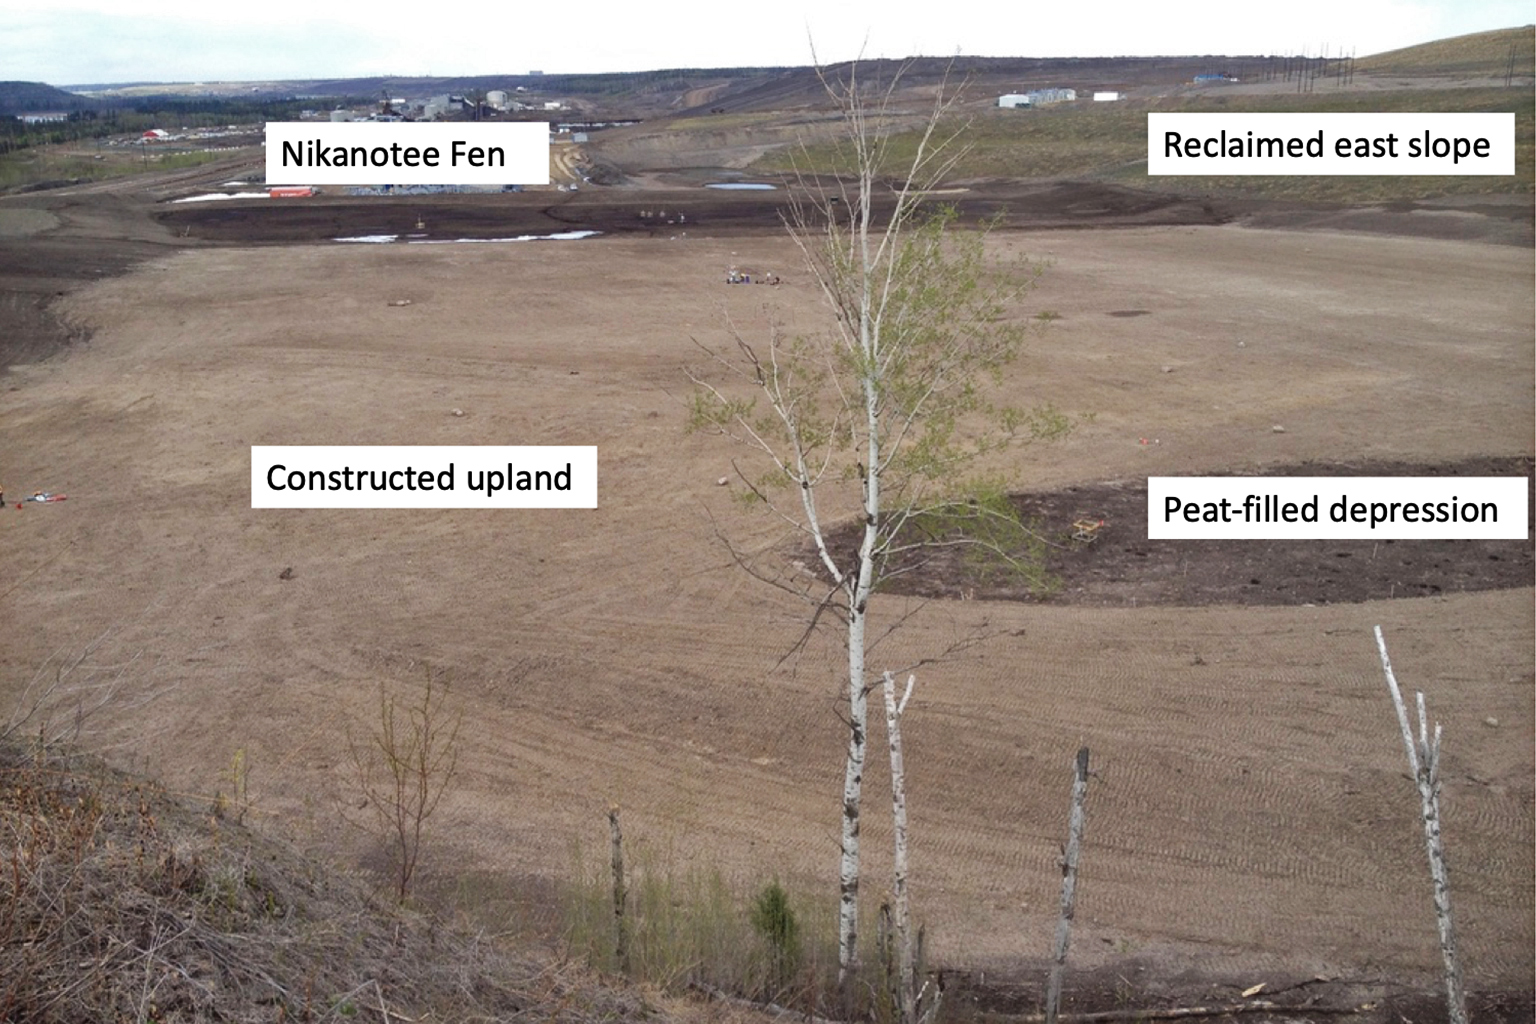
(212, 196)
(558, 236)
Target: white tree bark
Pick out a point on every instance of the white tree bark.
(1068, 887)
(1424, 762)
(906, 1008)
(858, 693)
(853, 783)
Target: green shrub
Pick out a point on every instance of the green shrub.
(774, 920)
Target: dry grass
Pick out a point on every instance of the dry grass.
(73, 164)
(1371, 188)
(691, 928)
(119, 903)
(1478, 54)
(1109, 142)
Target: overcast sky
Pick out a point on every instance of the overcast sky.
(74, 42)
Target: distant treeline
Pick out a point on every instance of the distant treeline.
(594, 84)
(638, 82)
(171, 113)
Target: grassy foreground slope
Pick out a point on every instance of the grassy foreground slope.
(119, 901)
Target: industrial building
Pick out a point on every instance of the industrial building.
(1035, 98)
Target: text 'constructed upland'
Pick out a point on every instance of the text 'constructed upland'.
(427, 476)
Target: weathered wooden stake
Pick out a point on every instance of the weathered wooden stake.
(1424, 761)
(885, 947)
(1068, 888)
(621, 926)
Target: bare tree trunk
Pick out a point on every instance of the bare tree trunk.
(906, 1011)
(1068, 888)
(1424, 760)
(621, 926)
(853, 783)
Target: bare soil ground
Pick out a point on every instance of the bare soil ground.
(1250, 820)
(676, 205)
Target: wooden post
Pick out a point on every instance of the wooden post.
(621, 926)
(885, 947)
(1424, 762)
(1068, 888)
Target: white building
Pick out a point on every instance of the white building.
(1036, 98)
(1108, 97)
(1040, 97)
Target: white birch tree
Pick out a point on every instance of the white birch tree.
(1424, 763)
(913, 1004)
(880, 419)
(901, 905)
